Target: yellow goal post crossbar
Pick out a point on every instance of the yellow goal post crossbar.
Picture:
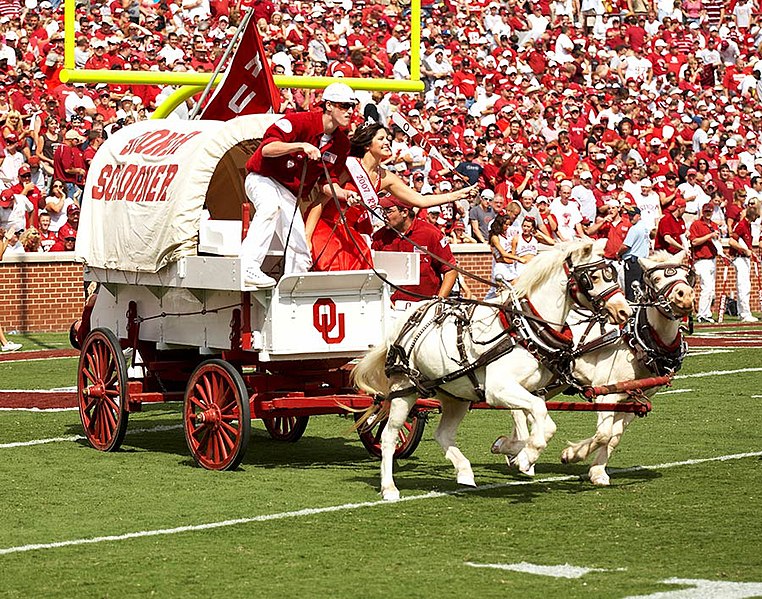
(192, 83)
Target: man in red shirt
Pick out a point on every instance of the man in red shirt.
(670, 231)
(703, 236)
(288, 163)
(69, 163)
(741, 253)
(26, 188)
(406, 233)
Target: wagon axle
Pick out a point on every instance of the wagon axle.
(210, 416)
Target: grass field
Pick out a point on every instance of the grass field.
(312, 524)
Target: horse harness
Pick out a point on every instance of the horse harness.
(522, 327)
(661, 359)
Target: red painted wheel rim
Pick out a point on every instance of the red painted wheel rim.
(286, 428)
(100, 392)
(213, 418)
(408, 436)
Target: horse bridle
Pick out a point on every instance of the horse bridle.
(659, 297)
(581, 281)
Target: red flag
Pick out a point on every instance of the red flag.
(247, 87)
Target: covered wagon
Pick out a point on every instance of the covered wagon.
(163, 214)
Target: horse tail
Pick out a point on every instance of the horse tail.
(368, 374)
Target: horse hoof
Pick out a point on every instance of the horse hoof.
(529, 472)
(600, 479)
(523, 464)
(391, 495)
(466, 480)
(498, 444)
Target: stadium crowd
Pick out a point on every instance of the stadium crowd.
(588, 116)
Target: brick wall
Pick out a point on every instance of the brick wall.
(44, 292)
(40, 293)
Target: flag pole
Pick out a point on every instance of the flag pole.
(221, 64)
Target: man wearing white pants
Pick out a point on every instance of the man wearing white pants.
(740, 250)
(275, 214)
(291, 159)
(703, 234)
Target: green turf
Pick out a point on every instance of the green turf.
(46, 373)
(697, 521)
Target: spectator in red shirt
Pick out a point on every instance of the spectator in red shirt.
(741, 253)
(703, 236)
(670, 232)
(69, 163)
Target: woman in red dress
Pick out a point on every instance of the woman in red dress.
(338, 245)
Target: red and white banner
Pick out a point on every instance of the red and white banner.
(247, 86)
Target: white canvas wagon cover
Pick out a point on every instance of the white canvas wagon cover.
(149, 182)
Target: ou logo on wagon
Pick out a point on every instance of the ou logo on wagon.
(326, 318)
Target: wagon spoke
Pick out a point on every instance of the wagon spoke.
(196, 402)
(88, 375)
(108, 416)
(110, 403)
(228, 428)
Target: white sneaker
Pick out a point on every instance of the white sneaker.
(255, 278)
(705, 320)
(11, 346)
(750, 318)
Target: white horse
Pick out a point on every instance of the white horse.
(650, 345)
(461, 353)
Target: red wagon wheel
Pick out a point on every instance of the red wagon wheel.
(102, 390)
(216, 415)
(407, 441)
(286, 428)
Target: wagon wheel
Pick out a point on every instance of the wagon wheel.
(286, 428)
(407, 441)
(102, 390)
(216, 415)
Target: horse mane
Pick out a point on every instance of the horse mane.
(662, 256)
(542, 266)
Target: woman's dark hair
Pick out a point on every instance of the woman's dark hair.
(362, 138)
(496, 227)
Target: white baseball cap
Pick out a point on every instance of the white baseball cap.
(488, 194)
(340, 92)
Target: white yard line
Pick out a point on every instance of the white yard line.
(559, 571)
(349, 506)
(698, 375)
(38, 410)
(155, 429)
(673, 391)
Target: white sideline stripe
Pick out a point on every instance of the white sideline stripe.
(698, 375)
(353, 506)
(38, 409)
(155, 429)
(672, 391)
(40, 359)
(33, 391)
(709, 352)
